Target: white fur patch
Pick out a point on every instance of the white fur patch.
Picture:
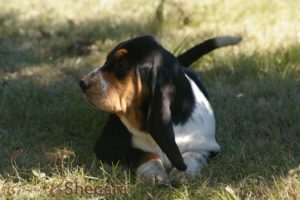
(195, 161)
(197, 135)
(227, 40)
(103, 84)
(94, 71)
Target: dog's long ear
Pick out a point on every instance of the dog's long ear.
(159, 119)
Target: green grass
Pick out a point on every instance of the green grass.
(47, 130)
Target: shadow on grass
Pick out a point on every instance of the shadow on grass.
(256, 102)
(47, 119)
(255, 98)
(32, 42)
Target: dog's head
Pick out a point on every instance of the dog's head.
(117, 86)
(136, 82)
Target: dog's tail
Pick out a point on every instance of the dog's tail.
(193, 54)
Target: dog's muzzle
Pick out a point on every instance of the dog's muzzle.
(84, 85)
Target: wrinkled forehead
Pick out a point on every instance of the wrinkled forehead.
(139, 46)
(114, 50)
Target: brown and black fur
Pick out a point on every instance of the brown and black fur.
(147, 87)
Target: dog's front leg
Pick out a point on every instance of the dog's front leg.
(152, 170)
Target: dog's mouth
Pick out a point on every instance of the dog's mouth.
(90, 102)
(93, 104)
(98, 103)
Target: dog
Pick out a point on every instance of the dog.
(161, 121)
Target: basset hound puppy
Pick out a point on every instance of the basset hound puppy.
(162, 123)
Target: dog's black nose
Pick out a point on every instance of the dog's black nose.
(84, 84)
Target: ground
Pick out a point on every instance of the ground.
(47, 130)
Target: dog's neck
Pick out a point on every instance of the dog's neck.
(133, 116)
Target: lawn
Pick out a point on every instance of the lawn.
(47, 130)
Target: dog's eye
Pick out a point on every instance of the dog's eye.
(122, 63)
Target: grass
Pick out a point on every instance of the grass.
(47, 130)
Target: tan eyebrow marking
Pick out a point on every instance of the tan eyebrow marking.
(120, 53)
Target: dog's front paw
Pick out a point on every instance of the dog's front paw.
(195, 161)
(153, 171)
(178, 177)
